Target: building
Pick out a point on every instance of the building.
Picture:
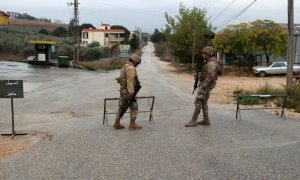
(3, 18)
(14, 15)
(106, 36)
(297, 40)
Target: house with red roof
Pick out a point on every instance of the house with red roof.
(106, 36)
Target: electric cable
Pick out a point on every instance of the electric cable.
(236, 15)
(223, 10)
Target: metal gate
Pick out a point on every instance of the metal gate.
(151, 104)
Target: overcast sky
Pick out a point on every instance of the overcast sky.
(149, 15)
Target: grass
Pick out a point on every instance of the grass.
(263, 89)
(293, 98)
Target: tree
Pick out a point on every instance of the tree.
(43, 31)
(260, 36)
(59, 32)
(269, 37)
(182, 30)
(127, 32)
(145, 36)
(134, 42)
(86, 26)
(158, 37)
(27, 16)
(234, 39)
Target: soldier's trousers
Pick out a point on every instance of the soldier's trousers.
(201, 103)
(133, 107)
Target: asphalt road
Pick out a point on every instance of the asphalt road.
(68, 105)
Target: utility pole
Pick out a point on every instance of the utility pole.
(291, 55)
(76, 32)
(137, 31)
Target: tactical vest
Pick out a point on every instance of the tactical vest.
(205, 69)
(122, 80)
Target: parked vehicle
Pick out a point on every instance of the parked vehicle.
(274, 69)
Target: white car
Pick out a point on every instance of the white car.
(273, 69)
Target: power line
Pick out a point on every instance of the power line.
(223, 10)
(210, 4)
(236, 15)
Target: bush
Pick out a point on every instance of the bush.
(293, 98)
(268, 89)
(91, 54)
(14, 40)
(65, 50)
(263, 89)
(162, 51)
(106, 64)
(94, 44)
(250, 101)
(28, 51)
(43, 31)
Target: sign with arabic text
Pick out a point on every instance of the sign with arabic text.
(11, 89)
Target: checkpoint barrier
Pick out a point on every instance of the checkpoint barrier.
(105, 113)
(239, 97)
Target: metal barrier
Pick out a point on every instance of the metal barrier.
(240, 97)
(116, 99)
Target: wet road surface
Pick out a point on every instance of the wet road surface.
(68, 105)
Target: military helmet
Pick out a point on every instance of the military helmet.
(136, 58)
(208, 50)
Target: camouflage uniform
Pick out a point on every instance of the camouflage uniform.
(128, 80)
(207, 81)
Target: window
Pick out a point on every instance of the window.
(85, 35)
(278, 65)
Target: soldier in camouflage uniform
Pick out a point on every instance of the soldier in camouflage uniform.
(127, 80)
(207, 81)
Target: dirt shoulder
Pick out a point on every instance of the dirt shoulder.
(9, 146)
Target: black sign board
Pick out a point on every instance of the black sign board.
(11, 89)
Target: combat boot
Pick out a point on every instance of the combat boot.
(134, 126)
(204, 122)
(118, 125)
(192, 123)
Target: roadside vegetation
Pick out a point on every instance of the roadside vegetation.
(243, 45)
(14, 44)
(292, 93)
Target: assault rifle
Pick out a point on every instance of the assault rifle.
(196, 82)
(132, 99)
(197, 68)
